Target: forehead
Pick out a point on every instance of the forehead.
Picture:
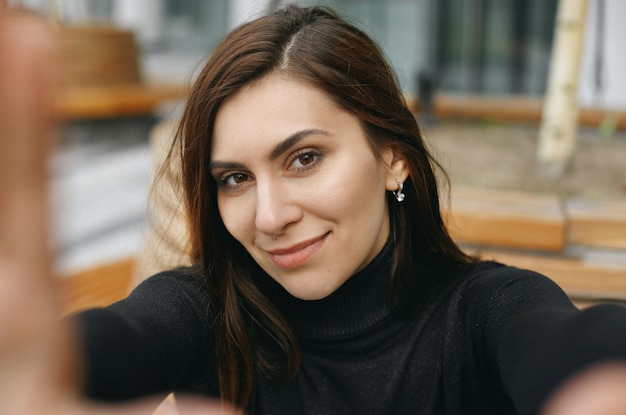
(270, 110)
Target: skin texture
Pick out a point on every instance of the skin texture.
(313, 212)
(599, 390)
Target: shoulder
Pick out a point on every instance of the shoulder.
(489, 296)
(179, 292)
(495, 294)
(493, 281)
(165, 298)
(180, 277)
(186, 281)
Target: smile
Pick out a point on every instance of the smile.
(298, 254)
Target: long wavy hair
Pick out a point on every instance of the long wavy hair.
(317, 46)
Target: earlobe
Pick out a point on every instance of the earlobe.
(397, 172)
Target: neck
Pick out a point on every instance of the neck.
(355, 308)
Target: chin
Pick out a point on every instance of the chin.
(309, 293)
(309, 296)
(310, 284)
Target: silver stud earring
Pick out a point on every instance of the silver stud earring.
(398, 193)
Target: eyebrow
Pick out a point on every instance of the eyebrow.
(278, 149)
(293, 139)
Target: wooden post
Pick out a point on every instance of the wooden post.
(559, 124)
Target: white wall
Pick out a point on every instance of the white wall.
(146, 17)
(612, 94)
(244, 10)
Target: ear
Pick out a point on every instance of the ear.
(396, 168)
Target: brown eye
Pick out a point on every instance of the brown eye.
(233, 181)
(239, 178)
(306, 159)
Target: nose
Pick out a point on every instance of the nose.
(276, 208)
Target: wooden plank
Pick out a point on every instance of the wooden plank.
(95, 287)
(114, 101)
(584, 281)
(501, 108)
(506, 219)
(509, 108)
(597, 224)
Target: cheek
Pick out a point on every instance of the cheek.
(235, 216)
(354, 191)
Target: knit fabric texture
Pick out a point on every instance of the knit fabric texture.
(499, 340)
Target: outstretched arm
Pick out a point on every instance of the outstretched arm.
(553, 358)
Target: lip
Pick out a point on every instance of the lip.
(296, 255)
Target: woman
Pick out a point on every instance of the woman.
(326, 281)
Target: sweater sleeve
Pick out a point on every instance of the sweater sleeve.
(155, 341)
(538, 338)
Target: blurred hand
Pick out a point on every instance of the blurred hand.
(29, 339)
(599, 390)
(38, 361)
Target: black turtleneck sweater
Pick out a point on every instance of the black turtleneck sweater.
(499, 340)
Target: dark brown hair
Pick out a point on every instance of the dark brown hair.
(317, 46)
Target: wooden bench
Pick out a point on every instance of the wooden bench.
(506, 219)
(548, 235)
(597, 224)
(95, 287)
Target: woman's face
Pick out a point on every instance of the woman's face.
(299, 186)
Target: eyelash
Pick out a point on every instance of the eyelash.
(223, 180)
(317, 156)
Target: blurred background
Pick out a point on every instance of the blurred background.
(473, 46)
(474, 71)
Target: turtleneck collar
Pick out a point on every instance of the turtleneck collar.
(359, 305)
